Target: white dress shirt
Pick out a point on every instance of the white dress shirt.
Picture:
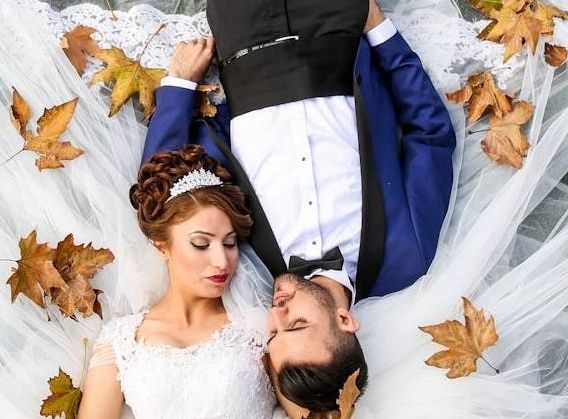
(302, 158)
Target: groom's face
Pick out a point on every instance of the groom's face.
(302, 322)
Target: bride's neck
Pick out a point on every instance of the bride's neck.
(188, 310)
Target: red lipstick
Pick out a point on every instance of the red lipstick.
(219, 279)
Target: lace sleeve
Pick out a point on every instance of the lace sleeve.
(103, 354)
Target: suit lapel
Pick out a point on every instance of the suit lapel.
(262, 237)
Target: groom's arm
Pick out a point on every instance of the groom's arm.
(170, 125)
(428, 137)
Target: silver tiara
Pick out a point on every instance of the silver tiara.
(194, 180)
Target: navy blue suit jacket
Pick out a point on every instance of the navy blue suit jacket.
(412, 145)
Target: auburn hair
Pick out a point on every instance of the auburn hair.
(155, 178)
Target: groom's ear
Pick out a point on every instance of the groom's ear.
(346, 321)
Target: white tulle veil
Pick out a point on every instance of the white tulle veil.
(504, 243)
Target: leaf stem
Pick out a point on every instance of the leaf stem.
(469, 132)
(11, 157)
(494, 369)
(114, 17)
(85, 342)
(162, 26)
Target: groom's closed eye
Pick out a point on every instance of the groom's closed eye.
(294, 326)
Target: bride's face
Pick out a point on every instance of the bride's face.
(202, 254)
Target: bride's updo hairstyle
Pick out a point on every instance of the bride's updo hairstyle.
(158, 175)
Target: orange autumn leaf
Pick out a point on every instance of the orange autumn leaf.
(526, 31)
(64, 398)
(50, 126)
(76, 44)
(36, 275)
(546, 15)
(505, 142)
(77, 265)
(481, 93)
(20, 112)
(555, 55)
(486, 6)
(206, 108)
(128, 77)
(465, 342)
(348, 395)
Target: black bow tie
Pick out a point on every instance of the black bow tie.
(332, 260)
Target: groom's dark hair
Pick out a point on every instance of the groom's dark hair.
(316, 386)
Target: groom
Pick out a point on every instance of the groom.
(343, 148)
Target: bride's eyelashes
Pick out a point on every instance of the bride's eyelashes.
(205, 246)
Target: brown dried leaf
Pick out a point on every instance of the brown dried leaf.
(348, 395)
(47, 143)
(482, 93)
(526, 30)
(465, 343)
(77, 43)
(78, 265)
(206, 108)
(555, 55)
(503, 21)
(129, 77)
(64, 397)
(20, 112)
(546, 15)
(505, 143)
(486, 6)
(35, 275)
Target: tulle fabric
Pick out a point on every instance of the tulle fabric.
(504, 243)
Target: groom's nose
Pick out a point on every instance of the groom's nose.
(278, 316)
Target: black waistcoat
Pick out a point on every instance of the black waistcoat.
(319, 63)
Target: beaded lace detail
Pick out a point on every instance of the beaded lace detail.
(223, 377)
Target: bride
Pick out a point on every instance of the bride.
(184, 357)
(504, 243)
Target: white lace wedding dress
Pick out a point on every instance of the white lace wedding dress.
(504, 243)
(223, 377)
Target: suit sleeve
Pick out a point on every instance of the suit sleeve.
(170, 125)
(428, 139)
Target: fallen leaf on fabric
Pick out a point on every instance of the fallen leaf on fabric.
(481, 93)
(77, 43)
(546, 15)
(486, 6)
(77, 265)
(52, 124)
(465, 342)
(36, 274)
(348, 395)
(128, 78)
(555, 55)
(206, 108)
(505, 142)
(525, 31)
(64, 397)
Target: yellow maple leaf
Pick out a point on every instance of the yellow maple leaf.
(20, 112)
(526, 31)
(555, 55)
(546, 15)
(486, 6)
(481, 93)
(465, 342)
(51, 125)
(77, 266)
(35, 274)
(76, 44)
(505, 142)
(64, 397)
(129, 77)
(502, 21)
